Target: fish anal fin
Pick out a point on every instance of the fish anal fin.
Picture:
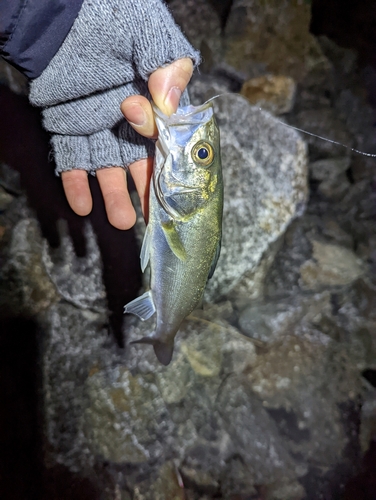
(173, 240)
(143, 306)
(163, 350)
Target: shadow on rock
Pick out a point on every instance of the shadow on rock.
(24, 146)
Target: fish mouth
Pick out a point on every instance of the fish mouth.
(190, 115)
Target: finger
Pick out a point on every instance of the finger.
(77, 191)
(141, 171)
(119, 208)
(137, 110)
(167, 84)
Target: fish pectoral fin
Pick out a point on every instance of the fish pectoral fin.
(145, 248)
(143, 306)
(215, 260)
(173, 240)
(163, 350)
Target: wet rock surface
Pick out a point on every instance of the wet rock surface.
(271, 390)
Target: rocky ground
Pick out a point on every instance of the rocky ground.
(271, 392)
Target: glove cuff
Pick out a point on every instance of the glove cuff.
(71, 152)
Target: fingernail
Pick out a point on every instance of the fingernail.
(138, 115)
(173, 98)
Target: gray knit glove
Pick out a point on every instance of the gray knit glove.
(108, 55)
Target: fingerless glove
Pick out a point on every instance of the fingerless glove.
(108, 55)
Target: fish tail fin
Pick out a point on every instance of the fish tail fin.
(163, 350)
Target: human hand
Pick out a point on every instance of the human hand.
(166, 86)
(116, 49)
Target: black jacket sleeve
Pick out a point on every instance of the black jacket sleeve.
(31, 31)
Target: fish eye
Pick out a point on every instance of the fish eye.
(203, 153)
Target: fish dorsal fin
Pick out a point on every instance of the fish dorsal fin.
(145, 248)
(215, 259)
(173, 240)
(143, 306)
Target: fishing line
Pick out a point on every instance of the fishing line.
(371, 155)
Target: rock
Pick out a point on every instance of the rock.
(273, 93)
(309, 419)
(333, 230)
(202, 26)
(10, 179)
(5, 199)
(274, 34)
(329, 168)
(73, 326)
(350, 96)
(362, 168)
(203, 426)
(74, 350)
(331, 172)
(237, 480)
(368, 422)
(252, 431)
(358, 116)
(296, 248)
(120, 423)
(344, 59)
(164, 487)
(26, 285)
(87, 290)
(292, 490)
(326, 123)
(284, 276)
(202, 466)
(335, 189)
(111, 419)
(252, 284)
(205, 87)
(359, 204)
(175, 384)
(269, 320)
(332, 266)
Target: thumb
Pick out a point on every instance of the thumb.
(167, 84)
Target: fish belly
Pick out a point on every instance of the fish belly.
(177, 285)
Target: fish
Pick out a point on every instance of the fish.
(182, 239)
